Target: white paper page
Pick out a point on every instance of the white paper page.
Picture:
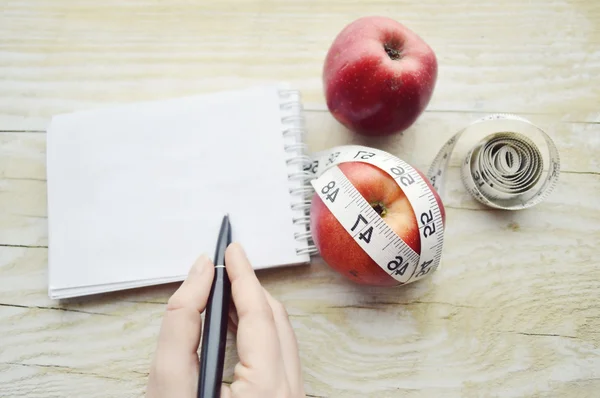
(138, 192)
(96, 289)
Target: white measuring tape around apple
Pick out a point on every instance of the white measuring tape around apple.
(504, 170)
(366, 226)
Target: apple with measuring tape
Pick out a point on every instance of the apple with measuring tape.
(378, 76)
(339, 249)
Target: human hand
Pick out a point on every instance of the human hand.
(269, 364)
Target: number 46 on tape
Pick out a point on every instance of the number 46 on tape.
(366, 226)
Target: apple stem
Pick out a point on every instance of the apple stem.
(392, 52)
(379, 208)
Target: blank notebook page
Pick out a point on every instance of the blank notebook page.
(138, 192)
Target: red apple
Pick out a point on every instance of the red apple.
(337, 247)
(378, 76)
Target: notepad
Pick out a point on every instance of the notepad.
(136, 192)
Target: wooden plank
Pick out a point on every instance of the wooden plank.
(22, 154)
(23, 215)
(58, 353)
(540, 56)
(577, 143)
(49, 382)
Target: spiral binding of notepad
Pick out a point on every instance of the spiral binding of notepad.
(300, 188)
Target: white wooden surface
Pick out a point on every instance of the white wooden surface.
(514, 312)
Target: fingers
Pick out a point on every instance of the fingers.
(176, 359)
(225, 391)
(257, 340)
(289, 344)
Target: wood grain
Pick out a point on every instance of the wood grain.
(514, 300)
(513, 311)
(538, 56)
(489, 321)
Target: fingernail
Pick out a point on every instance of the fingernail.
(239, 248)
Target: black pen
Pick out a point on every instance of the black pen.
(216, 318)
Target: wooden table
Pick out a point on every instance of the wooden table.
(514, 312)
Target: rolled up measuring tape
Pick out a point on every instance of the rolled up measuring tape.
(503, 170)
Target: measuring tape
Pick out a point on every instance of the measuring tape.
(366, 226)
(504, 170)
